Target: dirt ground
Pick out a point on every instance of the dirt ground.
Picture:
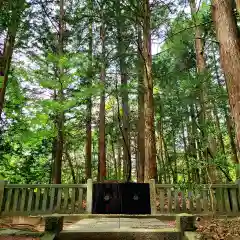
(219, 229)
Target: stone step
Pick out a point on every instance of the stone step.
(121, 234)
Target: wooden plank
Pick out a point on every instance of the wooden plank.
(183, 201)
(213, 200)
(205, 200)
(73, 200)
(219, 198)
(170, 201)
(226, 201)
(80, 199)
(238, 189)
(153, 197)
(162, 198)
(37, 207)
(233, 194)
(15, 199)
(65, 202)
(2, 189)
(30, 199)
(190, 200)
(23, 199)
(198, 202)
(52, 197)
(177, 207)
(44, 202)
(174, 200)
(8, 201)
(89, 195)
(59, 200)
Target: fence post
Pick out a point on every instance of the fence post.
(238, 171)
(152, 188)
(2, 187)
(89, 195)
(238, 189)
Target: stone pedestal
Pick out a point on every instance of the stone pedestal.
(54, 224)
(185, 222)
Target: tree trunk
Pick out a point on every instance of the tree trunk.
(162, 149)
(230, 129)
(119, 161)
(220, 137)
(174, 157)
(71, 166)
(186, 153)
(226, 110)
(150, 142)
(238, 5)
(60, 116)
(192, 135)
(141, 135)
(201, 66)
(102, 143)
(228, 37)
(6, 58)
(114, 158)
(205, 113)
(124, 94)
(88, 167)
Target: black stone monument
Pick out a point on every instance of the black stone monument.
(121, 198)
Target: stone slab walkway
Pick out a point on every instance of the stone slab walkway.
(116, 224)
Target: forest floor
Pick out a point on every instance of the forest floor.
(219, 229)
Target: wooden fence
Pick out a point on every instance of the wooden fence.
(45, 199)
(217, 198)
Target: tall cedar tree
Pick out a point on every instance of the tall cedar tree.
(228, 37)
(150, 142)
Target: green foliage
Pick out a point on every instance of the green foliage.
(43, 84)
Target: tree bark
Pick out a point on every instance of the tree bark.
(174, 157)
(119, 160)
(6, 58)
(238, 5)
(141, 135)
(88, 168)
(205, 114)
(228, 37)
(124, 93)
(60, 95)
(189, 180)
(150, 142)
(102, 143)
(114, 158)
(201, 65)
(71, 167)
(226, 111)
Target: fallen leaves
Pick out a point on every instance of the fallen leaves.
(219, 229)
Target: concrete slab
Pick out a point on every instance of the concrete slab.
(116, 224)
(120, 229)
